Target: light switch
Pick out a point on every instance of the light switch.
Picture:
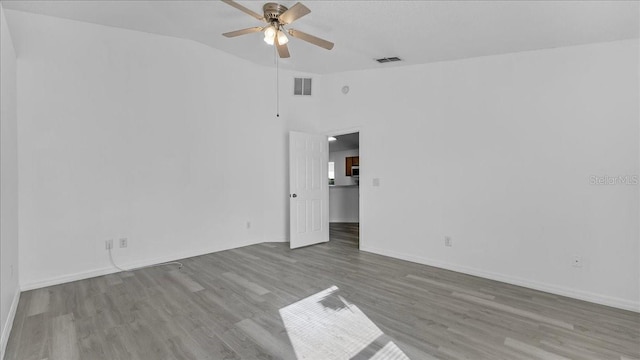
(376, 182)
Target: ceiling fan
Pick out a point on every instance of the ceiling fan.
(277, 16)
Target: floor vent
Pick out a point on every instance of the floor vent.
(390, 59)
(302, 86)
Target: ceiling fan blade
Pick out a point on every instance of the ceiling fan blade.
(311, 39)
(243, 9)
(294, 13)
(243, 31)
(283, 50)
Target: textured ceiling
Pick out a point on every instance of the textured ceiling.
(416, 31)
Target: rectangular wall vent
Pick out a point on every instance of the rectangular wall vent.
(302, 86)
(390, 59)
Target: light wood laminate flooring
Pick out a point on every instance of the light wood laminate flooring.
(320, 302)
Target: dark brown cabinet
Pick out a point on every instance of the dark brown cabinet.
(349, 162)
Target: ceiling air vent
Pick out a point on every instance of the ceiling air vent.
(302, 86)
(390, 59)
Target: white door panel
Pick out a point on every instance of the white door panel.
(309, 189)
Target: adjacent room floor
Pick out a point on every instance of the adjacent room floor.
(327, 301)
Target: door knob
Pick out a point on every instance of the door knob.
(294, 195)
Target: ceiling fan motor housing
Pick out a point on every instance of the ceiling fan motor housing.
(272, 12)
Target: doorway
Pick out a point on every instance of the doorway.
(344, 188)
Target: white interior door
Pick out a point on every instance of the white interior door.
(308, 189)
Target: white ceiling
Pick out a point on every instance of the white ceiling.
(345, 142)
(416, 31)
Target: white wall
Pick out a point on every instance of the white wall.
(502, 149)
(127, 134)
(9, 290)
(344, 204)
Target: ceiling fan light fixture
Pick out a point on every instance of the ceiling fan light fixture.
(282, 38)
(269, 35)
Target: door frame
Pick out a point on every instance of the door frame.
(351, 130)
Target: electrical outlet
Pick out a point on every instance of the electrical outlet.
(576, 261)
(248, 224)
(108, 244)
(447, 241)
(123, 242)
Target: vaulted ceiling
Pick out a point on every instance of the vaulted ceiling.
(416, 31)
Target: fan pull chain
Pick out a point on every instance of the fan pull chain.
(277, 82)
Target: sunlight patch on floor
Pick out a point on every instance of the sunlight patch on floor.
(326, 326)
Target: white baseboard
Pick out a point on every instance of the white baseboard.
(8, 325)
(550, 288)
(56, 280)
(554, 289)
